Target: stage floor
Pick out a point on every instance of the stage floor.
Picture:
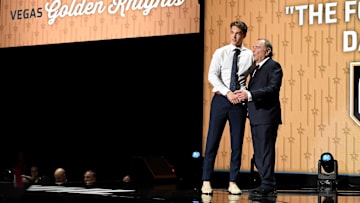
(170, 194)
(181, 191)
(307, 196)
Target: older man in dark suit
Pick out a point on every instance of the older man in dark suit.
(264, 114)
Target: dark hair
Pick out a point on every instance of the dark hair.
(92, 172)
(241, 25)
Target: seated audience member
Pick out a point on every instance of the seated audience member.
(128, 169)
(126, 179)
(60, 176)
(90, 179)
(34, 177)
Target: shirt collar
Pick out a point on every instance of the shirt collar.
(234, 47)
(262, 62)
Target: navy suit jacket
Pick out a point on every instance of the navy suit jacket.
(265, 88)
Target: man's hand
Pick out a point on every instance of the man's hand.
(242, 95)
(233, 97)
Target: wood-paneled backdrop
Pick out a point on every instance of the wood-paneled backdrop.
(315, 96)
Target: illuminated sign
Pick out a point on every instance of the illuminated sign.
(26, 23)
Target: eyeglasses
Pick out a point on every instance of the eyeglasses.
(259, 47)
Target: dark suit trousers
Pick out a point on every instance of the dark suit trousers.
(264, 139)
(222, 111)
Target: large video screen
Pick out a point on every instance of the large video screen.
(25, 23)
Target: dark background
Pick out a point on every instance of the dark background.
(97, 104)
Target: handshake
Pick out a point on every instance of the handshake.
(238, 96)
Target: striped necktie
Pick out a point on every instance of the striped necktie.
(256, 69)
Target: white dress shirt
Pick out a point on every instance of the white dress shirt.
(220, 67)
(257, 64)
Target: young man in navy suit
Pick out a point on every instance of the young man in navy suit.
(226, 106)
